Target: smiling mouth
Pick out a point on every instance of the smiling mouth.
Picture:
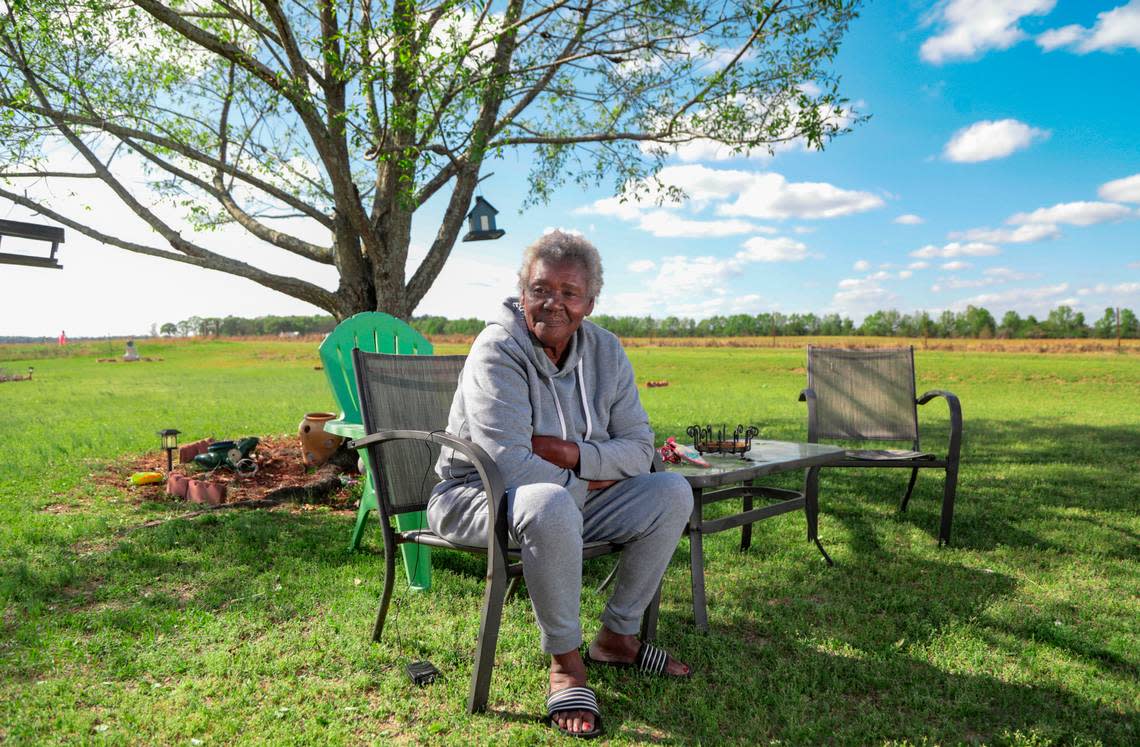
(555, 321)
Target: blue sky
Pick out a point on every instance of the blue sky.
(999, 167)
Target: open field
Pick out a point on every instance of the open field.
(253, 626)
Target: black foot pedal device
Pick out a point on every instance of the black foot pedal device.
(422, 672)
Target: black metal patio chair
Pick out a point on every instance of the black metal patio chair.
(404, 401)
(869, 395)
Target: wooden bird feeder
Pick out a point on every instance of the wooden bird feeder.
(481, 222)
(20, 230)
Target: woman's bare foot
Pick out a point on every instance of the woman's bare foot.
(568, 670)
(618, 648)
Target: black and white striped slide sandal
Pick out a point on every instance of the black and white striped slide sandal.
(650, 659)
(574, 699)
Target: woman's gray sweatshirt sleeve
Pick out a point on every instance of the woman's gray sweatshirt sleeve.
(496, 396)
(629, 449)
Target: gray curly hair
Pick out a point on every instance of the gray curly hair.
(559, 246)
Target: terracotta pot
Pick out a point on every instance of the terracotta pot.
(316, 445)
(206, 491)
(177, 484)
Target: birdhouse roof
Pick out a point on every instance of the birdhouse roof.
(482, 206)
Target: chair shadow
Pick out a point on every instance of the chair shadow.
(789, 659)
(1092, 471)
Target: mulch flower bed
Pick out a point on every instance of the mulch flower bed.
(281, 476)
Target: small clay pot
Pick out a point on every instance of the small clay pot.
(177, 484)
(316, 445)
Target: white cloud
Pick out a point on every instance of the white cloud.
(861, 265)
(803, 229)
(470, 285)
(1062, 37)
(771, 196)
(956, 265)
(1039, 299)
(918, 265)
(956, 249)
(910, 219)
(614, 207)
(859, 296)
(989, 139)
(993, 276)
(1073, 213)
(1021, 235)
(1114, 29)
(703, 277)
(1005, 274)
(1120, 289)
(1121, 190)
(665, 224)
(971, 27)
(757, 195)
(781, 249)
(904, 274)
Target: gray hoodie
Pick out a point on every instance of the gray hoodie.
(510, 390)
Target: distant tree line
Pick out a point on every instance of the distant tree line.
(973, 322)
(318, 324)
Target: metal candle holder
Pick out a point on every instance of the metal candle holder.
(721, 441)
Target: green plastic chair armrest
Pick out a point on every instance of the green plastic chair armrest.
(344, 428)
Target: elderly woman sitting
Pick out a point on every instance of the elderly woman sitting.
(552, 398)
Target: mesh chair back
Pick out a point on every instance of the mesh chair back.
(864, 394)
(406, 392)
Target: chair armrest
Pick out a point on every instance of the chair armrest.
(955, 418)
(345, 428)
(492, 478)
(808, 395)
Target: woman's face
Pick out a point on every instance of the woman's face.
(555, 302)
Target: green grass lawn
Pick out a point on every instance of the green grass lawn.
(253, 625)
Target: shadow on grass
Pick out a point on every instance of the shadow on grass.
(1082, 467)
(824, 656)
(224, 560)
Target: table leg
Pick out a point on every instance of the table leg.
(811, 509)
(697, 563)
(746, 529)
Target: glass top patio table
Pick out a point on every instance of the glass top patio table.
(722, 481)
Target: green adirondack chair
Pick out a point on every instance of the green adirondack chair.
(373, 332)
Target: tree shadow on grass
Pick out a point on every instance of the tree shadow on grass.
(1085, 467)
(145, 579)
(841, 656)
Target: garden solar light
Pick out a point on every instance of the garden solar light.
(169, 444)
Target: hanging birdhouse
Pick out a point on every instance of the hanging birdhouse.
(481, 222)
(20, 230)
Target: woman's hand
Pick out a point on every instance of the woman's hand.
(564, 454)
(557, 451)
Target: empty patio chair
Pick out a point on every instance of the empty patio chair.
(869, 395)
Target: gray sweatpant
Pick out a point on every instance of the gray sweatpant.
(645, 513)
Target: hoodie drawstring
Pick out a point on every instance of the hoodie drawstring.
(585, 401)
(585, 404)
(558, 407)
